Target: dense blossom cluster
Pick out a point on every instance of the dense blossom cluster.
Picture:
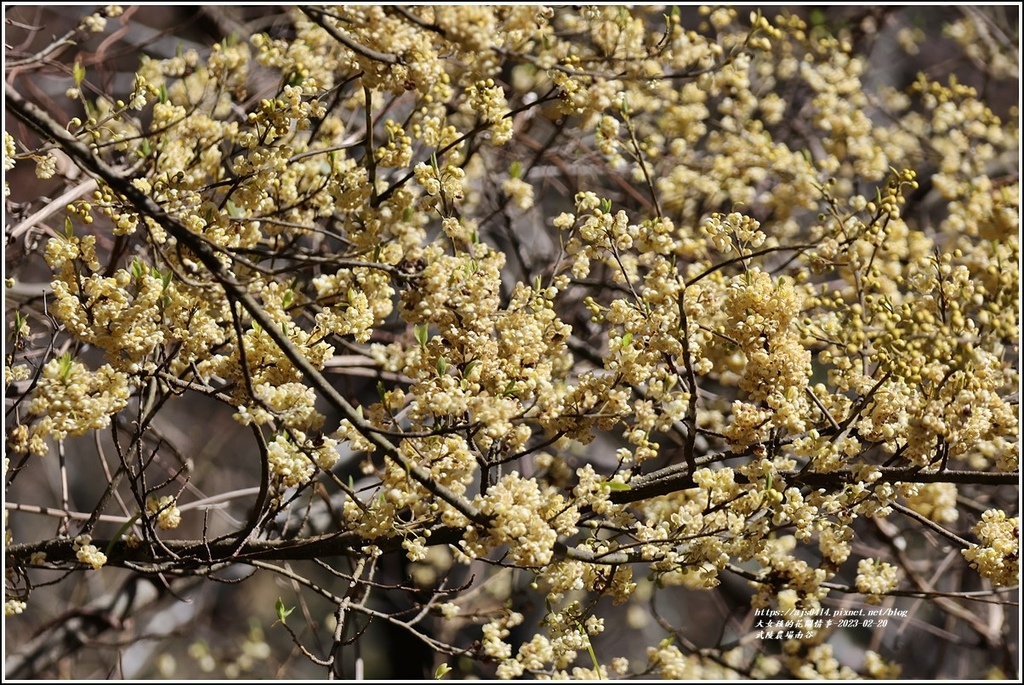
(70, 399)
(165, 510)
(998, 556)
(88, 553)
(876, 578)
(784, 283)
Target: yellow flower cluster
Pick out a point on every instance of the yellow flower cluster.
(13, 607)
(876, 578)
(10, 151)
(526, 519)
(295, 458)
(997, 557)
(766, 282)
(734, 231)
(495, 631)
(668, 661)
(814, 662)
(487, 101)
(937, 501)
(569, 634)
(880, 668)
(165, 509)
(72, 400)
(293, 404)
(88, 553)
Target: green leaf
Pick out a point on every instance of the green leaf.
(120, 533)
(420, 332)
(19, 322)
(282, 611)
(616, 485)
(442, 671)
(515, 170)
(65, 363)
(590, 646)
(78, 71)
(442, 366)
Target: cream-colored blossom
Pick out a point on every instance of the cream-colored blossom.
(87, 553)
(997, 557)
(165, 509)
(14, 607)
(875, 578)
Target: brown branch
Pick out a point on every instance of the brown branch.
(742, 258)
(691, 381)
(892, 474)
(191, 555)
(318, 16)
(679, 477)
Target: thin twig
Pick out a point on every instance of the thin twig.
(318, 15)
